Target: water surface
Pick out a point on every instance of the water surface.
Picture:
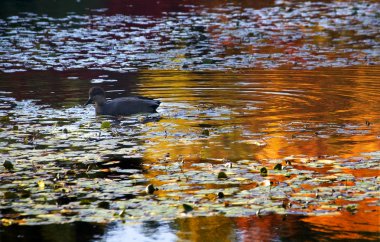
(325, 122)
(268, 126)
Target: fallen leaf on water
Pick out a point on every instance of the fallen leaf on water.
(187, 208)
(8, 165)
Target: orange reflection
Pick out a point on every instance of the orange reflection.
(263, 115)
(312, 113)
(349, 225)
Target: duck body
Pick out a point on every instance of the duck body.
(121, 106)
(127, 106)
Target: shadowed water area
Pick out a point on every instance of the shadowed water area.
(268, 126)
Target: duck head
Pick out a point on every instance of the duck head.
(97, 95)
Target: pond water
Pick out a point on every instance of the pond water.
(208, 122)
(268, 126)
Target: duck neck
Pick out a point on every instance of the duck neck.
(99, 100)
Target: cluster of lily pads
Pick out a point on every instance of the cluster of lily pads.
(299, 35)
(56, 169)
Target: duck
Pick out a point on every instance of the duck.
(122, 106)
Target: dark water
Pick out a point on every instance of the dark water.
(269, 228)
(242, 86)
(193, 229)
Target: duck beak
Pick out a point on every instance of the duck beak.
(88, 102)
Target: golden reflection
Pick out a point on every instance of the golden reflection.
(313, 113)
(262, 115)
(203, 229)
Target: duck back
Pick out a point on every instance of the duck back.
(128, 106)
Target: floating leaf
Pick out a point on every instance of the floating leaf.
(5, 119)
(150, 189)
(352, 208)
(263, 171)
(10, 195)
(105, 125)
(85, 202)
(206, 132)
(278, 167)
(208, 61)
(6, 222)
(8, 165)
(70, 172)
(222, 175)
(104, 204)
(41, 184)
(68, 212)
(187, 208)
(63, 200)
(25, 193)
